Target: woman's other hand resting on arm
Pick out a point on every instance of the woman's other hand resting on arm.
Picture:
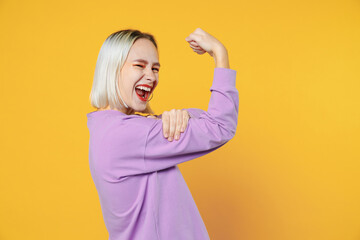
(174, 122)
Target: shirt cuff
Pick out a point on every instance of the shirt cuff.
(224, 78)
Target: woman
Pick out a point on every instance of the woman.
(141, 189)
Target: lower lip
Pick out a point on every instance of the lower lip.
(141, 98)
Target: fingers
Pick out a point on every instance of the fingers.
(192, 37)
(169, 124)
(201, 41)
(194, 44)
(172, 124)
(166, 123)
(179, 120)
(197, 49)
(186, 117)
(199, 52)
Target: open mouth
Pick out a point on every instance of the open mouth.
(143, 94)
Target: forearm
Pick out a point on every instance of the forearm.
(221, 58)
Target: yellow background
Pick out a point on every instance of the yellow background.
(291, 172)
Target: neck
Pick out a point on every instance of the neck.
(127, 111)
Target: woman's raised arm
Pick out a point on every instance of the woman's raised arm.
(206, 131)
(136, 145)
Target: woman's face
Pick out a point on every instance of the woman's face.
(141, 67)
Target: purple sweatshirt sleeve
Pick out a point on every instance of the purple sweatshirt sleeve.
(122, 145)
(206, 130)
(127, 152)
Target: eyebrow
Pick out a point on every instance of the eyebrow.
(144, 61)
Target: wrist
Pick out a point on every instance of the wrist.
(221, 58)
(219, 51)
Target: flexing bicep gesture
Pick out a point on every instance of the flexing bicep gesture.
(174, 122)
(202, 42)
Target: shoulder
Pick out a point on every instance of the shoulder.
(132, 127)
(114, 128)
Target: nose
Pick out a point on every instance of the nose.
(150, 75)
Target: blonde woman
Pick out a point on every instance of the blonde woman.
(142, 193)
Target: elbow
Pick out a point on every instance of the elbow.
(228, 133)
(226, 129)
(232, 133)
(231, 129)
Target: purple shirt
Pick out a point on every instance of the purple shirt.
(142, 192)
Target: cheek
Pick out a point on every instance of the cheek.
(126, 87)
(129, 80)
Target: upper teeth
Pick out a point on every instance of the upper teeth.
(144, 88)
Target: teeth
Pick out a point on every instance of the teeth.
(144, 88)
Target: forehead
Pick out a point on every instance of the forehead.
(143, 49)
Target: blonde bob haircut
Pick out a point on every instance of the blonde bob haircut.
(111, 58)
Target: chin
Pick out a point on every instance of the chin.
(140, 109)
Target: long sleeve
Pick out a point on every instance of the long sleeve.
(123, 145)
(141, 190)
(206, 130)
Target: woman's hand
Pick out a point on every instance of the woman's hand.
(174, 122)
(201, 42)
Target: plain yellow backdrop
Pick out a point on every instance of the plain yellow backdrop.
(291, 172)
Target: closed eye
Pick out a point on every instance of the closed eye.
(143, 66)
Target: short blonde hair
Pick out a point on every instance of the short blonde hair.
(111, 58)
